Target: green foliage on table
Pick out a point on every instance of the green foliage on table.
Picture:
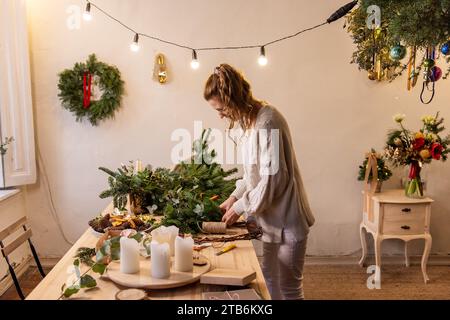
(125, 181)
(384, 173)
(186, 196)
(108, 252)
(84, 281)
(108, 79)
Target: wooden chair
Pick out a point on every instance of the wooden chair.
(8, 249)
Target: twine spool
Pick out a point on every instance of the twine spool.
(214, 227)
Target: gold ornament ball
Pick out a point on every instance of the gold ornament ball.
(377, 32)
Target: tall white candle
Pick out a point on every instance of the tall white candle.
(173, 231)
(166, 235)
(184, 254)
(160, 260)
(129, 256)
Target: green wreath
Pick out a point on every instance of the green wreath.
(109, 82)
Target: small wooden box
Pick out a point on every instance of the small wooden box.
(228, 277)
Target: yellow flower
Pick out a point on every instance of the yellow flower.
(419, 135)
(431, 137)
(425, 154)
(428, 120)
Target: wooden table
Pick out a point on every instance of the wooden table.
(243, 257)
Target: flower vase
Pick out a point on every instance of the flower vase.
(414, 187)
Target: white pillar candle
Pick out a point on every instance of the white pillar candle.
(160, 260)
(173, 231)
(129, 256)
(184, 254)
(166, 235)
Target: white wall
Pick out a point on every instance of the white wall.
(334, 111)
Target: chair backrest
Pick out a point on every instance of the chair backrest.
(6, 250)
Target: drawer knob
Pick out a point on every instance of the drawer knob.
(406, 210)
(405, 227)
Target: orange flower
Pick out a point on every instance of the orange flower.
(425, 154)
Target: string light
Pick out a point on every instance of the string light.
(194, 63)
(87, 13)
(135, 45)
(262, 57)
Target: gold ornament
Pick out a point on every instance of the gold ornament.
(160, 70)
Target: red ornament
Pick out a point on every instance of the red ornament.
(435, 74)
(87, 89)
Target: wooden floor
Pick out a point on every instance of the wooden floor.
(28, 281)
(324, 282)
(349, 282)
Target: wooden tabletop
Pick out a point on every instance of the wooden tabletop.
(243, 257)
(398, 196)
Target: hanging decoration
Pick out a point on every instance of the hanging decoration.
(160, 70)
(76, 88)
(87, 89)
(419, 28)
(195, 64)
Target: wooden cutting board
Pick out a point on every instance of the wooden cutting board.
(228, 277)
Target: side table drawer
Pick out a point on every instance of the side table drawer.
(404, 219)
(404, 227)
(403, 212)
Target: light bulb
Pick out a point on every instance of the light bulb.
(262, 60)
(194, 63)
(87, 13)
(135, 45)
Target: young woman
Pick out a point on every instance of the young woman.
(271, 188)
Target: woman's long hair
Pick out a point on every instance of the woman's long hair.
(231, 88)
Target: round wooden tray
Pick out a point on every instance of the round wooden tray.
(143, 279)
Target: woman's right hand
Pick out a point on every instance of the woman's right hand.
(224, 207)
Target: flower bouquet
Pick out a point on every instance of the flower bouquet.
(416, 148)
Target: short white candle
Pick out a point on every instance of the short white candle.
(184, 254)
(160, 260)
(129, 256)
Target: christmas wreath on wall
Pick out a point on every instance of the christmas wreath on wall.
(418, 31)
(77, 85)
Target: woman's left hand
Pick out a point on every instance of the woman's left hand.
(230, 217)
